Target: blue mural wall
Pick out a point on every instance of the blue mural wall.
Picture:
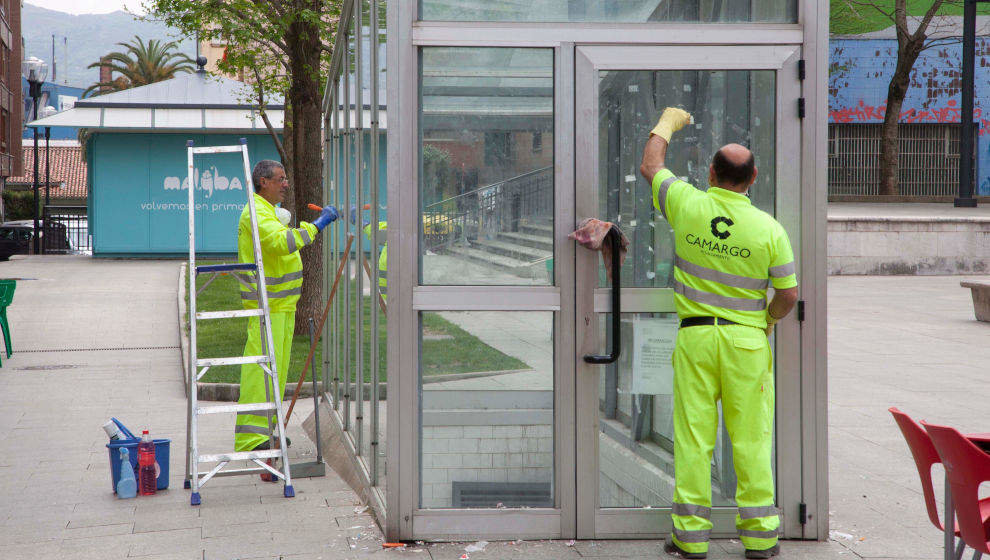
(138, 192)
(860, 71)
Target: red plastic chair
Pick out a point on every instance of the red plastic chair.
(925, 456)
(966, 466)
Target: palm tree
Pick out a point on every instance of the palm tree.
(140, 64)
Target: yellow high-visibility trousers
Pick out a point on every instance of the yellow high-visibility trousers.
(732, 363)
(251, 430)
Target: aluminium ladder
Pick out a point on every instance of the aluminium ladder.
(198, 367)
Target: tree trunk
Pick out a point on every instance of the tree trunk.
(896, 92)
(889, 150)
(307, 158)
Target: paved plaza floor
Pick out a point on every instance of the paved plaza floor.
(99, 338)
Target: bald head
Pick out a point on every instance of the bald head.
(733, 168)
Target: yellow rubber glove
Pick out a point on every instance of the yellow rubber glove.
(771, 321)
(672, 120)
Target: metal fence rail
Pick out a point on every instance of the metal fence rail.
(928, 160)
(490, 209)
(65, 230)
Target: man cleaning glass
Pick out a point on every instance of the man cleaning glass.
(280, 245)
(727, 253)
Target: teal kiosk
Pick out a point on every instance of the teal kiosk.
(136, 156)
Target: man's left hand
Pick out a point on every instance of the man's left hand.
(771, 322)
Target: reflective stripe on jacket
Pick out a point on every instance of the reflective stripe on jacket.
(280, 255)
(727, 251)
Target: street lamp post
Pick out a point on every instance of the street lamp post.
(48, 165)
(35, 71)
(966, 198)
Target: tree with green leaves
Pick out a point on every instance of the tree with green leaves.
(140, 64)
(918, 25)
(283, 47)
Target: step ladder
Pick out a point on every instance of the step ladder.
(198, 367)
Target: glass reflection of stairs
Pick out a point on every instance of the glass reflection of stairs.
(521, 253)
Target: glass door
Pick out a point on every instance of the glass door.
(744, 94)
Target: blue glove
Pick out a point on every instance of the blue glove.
(354, 217)
(328, 215)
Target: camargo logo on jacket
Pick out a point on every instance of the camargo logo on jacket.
(719, 233)
(720, 229)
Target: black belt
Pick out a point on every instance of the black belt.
(698, 321)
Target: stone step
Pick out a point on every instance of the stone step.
(536, 228)
(502, 263)
(543, 242)
(512, 250)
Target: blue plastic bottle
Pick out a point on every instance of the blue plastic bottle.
(127, 485)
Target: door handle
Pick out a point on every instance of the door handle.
(615, 240)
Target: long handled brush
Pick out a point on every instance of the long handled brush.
(323, 319)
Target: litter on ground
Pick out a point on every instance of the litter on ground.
(476, 547)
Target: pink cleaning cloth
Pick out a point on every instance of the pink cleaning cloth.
(591, 235)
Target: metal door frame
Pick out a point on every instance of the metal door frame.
(592, 521)
(405, 36)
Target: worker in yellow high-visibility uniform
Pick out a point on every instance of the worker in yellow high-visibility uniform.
(383, 256)
(727, 252)
(280, 247)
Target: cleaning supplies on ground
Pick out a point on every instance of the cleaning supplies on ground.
(125, 439)
(146, 465)
(113, 431)
(127, 485)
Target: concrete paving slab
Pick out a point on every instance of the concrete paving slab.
(924, 353)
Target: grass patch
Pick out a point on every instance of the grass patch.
(848, 18)
(448, 350)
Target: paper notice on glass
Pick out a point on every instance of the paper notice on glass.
(653, 345)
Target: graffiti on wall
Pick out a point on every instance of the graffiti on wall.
(866, 113)
(860, 73)
(859, 76)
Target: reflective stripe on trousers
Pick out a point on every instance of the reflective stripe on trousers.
(733, 364)
(251, 430)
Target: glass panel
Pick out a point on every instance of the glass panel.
(636, 423)
(630, 101)
(486, 166)
(486, 427)
(631, 11)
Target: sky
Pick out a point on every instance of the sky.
(88, 6)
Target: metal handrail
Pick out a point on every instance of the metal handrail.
(485, 210)
(486, 187)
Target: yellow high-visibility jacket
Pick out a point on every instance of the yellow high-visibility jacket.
(382, 258)
(728, 251)
(280, 247)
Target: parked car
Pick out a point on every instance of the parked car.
(17, 238)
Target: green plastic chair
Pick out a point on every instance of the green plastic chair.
(6, 297)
